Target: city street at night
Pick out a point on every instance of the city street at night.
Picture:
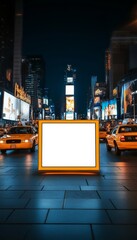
(68, 120)
(35, 205)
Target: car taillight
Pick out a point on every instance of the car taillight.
(122, 139)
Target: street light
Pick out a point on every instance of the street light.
(134, 105)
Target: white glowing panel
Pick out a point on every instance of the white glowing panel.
(11, 107)
(69, 89)
(68, 145)
(25, 108)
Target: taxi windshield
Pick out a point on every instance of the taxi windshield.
(128, 129)
(20, 130)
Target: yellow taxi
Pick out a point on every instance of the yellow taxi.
(122, 137)
(19, 137)
(102, 134)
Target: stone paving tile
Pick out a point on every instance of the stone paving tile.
(81, 194)
(43, 194)
(103, 187)
(117, 194)
(45, 203)
(77, 216)
(4, 213)
(59, 232)
(25, 187)
(11, 194)
(130, 203)
(121, 177)
(4, 187)
(15, 232)
(123, 216)
(28, 216)
(12, 203)
(28, 181)
(62, 187)
(131, 186)
(109, 169)
(88, 204)
(114, 232)
(64, 180)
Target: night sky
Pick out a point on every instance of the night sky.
(72, 32)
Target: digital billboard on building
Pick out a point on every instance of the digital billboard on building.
(127, 100)
(11, 107)
(69, 89)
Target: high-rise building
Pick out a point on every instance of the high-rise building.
(18, 26)
(33, 76)
(121, 55)
(10, 43)
(7, 12)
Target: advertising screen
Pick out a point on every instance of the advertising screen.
(70, 104)
(100, 91)
(69, 115)
(105, 110)
(68, 145)
(11, 107)
(96, 100)
(96, 113)
(109, 109)
(39, 103)
(69, 79)
(127, 98)
(69, 90)
(112, 107)
(25, 108)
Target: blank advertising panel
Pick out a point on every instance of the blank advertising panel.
(68, 145)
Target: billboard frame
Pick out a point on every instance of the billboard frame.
(42, 151)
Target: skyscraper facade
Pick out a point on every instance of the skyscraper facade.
(10, 43)
(33, 76)
(7, 11)
(122, 55)
(18, 30)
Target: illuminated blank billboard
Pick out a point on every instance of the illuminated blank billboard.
(69, 90)
(68, 145)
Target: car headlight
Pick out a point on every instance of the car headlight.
(27, 140)
(1, 141)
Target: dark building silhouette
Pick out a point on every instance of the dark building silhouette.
(18, 31)
(33, 76)
(10, 43)
(121, 54)
(7, 12)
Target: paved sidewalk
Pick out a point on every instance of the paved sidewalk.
(80, 207)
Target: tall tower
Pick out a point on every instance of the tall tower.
(7, 11)
(18, 42)
(33, 74)
(70, 76)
